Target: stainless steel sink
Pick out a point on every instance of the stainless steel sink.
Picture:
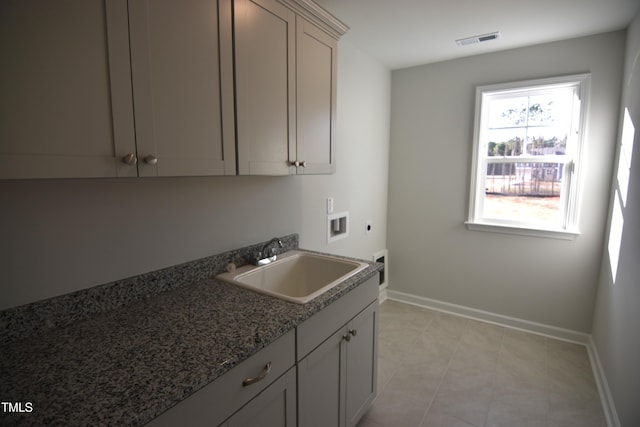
(295, 276)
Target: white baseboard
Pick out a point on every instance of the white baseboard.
(486, 316)
(608, 406)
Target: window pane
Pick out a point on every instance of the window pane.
(543, 110)
(508, 112)
(523, 191)
(505, 142)
(547, 142)
(524, 179)
(555, 108)
(523, 208)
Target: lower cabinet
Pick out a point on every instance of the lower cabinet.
(322, 374)
(337, 380)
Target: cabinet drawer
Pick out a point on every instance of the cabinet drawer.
(273, 407)
(214, 403)
(323, 324)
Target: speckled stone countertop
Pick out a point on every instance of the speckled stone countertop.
(127, 365)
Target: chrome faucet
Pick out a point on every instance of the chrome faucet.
(268, 253)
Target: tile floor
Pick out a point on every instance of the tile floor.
(441, 370)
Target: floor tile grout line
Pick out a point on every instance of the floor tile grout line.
(384, 386)
(547, 381)
(493, 380)
(444, 374)
(426, 411)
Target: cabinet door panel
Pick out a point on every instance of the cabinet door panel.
(274, 407)
(362, 364)
(265, 84)
(60, 79)
(176, 75)
(316, 98)
(321, 384)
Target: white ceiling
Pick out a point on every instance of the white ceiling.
(403, 33)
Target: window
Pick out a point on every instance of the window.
(526, 156)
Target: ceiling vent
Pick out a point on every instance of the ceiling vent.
(478, 39)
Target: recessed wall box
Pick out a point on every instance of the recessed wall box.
(337, 226)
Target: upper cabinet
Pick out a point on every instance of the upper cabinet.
(175, 69)
(109, 88)
(316, 72)
(264, 34)
(65, 109)
(286, 70)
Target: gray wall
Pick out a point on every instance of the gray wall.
(616, 326)
(359, 185)
(58, 236)
(432, 254)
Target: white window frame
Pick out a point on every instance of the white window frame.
(570, 193)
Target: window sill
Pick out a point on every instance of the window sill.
(523, 231)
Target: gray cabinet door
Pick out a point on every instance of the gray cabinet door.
(273, 407)
(66, 107)
(337, 380)
(316, 70)
(361, 360)
(265, 86)
(322, 384)
(176, 87)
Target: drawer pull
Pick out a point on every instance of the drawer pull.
(263, 374)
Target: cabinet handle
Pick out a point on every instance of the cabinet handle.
(294, 163)
(303, 163)
(151, 160)
(263, 374)
(130, 159)
(351, 333)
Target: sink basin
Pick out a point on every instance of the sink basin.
(295, 276)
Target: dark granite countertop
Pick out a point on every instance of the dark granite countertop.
(128, 365)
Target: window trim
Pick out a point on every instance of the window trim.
(572, 186)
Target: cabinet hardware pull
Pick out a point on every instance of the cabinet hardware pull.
(151, 160)
(263, 374)
(130, 159)
(294, 163)
(303, 163)
(351, 333)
